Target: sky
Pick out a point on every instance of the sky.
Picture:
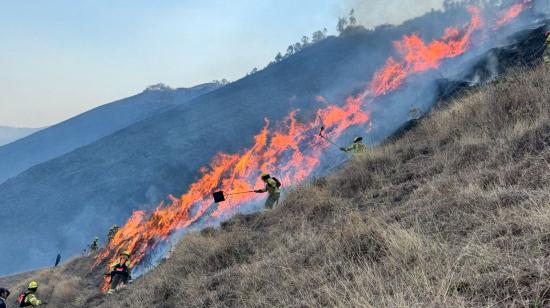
(59, 58)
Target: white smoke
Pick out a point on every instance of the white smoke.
(371, 13)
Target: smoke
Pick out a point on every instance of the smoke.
(371, 13)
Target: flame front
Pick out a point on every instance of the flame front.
(290, 149)
(418, 57)
(510, 14)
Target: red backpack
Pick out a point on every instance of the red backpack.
(21, 300)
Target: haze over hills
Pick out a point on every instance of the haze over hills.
(80, 194)
(92, 125)
(10, 134)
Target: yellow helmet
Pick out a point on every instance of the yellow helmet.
(265, 176)
(33, 285)
(357, 139)
(125, 254)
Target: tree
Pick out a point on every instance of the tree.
(278, 57)
(317, 36)
(305, 41)
(342, 24)
(289, 51)
(297, 47)
(253, 71)
(352, 19)
(222, 82)
(158, 87)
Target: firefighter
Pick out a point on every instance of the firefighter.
(4, 293)
(57, 260)
(547, 50)
(28, 299)
(120, 272)
(94, 245)
(357, 147)
(112, 232)
(272, 186)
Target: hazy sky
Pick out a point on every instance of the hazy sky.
(59, 58)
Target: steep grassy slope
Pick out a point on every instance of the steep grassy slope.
(456, 212)
(81, 194)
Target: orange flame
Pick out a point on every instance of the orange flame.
(419, 57)
(510, 14)
(288, 150)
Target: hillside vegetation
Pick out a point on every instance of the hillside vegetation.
(456, 212)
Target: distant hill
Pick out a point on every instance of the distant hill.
(10, 134)
(90, 126)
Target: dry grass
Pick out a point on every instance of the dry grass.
(454, 213)
(72, 284)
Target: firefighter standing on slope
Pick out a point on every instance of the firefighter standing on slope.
(272, 186)
(112, 232)
(94, 245)
(357, 147)
(546, 55)
(28, 299)
(120, 272)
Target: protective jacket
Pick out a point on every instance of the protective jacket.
(120, 273)
(356, 148)
(271, 186)
(121, 267)
(2, 303)
(30, 300)
(112, 232)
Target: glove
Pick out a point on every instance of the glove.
(343, 149)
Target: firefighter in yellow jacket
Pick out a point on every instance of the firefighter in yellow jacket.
(357, 147)
(120, 272)
(272, 186)
(94, 245)
(29, 299)
(112, 232)
(547, 50)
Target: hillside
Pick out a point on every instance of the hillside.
(10, 134)
(81, 194)
(455, 212)
(90, 126)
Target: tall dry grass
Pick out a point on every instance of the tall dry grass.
(456, 213)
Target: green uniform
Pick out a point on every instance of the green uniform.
(112, 232)
(355, 148)
(274, 193)
(547, 51)
(31, 300)
(94, 245)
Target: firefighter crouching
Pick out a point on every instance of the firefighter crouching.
(120, 272)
